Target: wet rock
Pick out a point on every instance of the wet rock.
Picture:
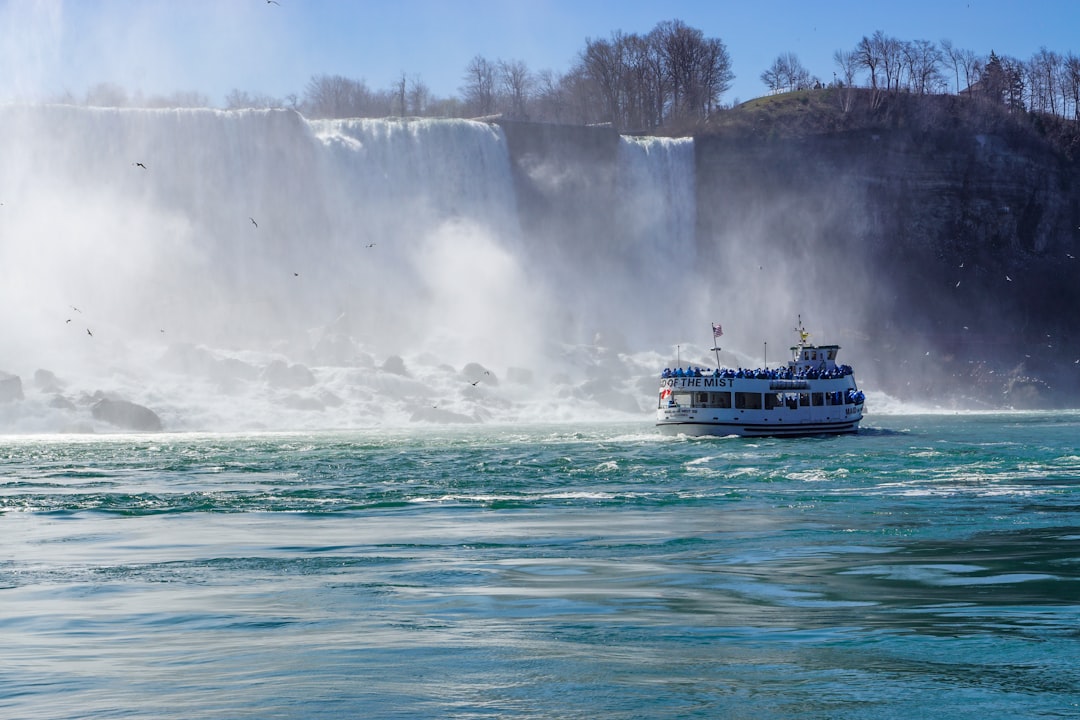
(46, 381)
(394, 364)
(10, 387)
(280, 374)
(61, 403)
(126, 414)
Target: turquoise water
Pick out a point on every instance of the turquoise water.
(926, 567)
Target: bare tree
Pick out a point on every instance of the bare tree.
(419, 97)
(517, 83)
(107, 95)
(239, 99)
(334, 96)
(1071, 77)
(869, 57)
(924, 66)
(787, 74)
(479, 89)
(602, 63)
(848, 63)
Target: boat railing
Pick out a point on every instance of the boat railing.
(789, 385)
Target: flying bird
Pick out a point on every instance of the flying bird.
(370, 245)
(1008, 278)
(272, 2)
(76, 309)
(296, 274)
(957, 283)
(139, 164)
(68, 320)
(89, 333)
(253, 221)
(474, 383)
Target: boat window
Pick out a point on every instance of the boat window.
(701, 399)
(819, 399)
(748, 401)
(773, 400)
(721, 399)
(804, 399)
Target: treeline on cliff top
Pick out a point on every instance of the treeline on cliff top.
(672, 81)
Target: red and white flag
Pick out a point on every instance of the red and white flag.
(716, 331)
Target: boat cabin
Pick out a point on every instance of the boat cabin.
(805, 358)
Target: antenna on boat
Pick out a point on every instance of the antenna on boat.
(766, 354)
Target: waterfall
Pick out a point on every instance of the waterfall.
(182, 258)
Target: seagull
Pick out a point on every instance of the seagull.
(370, 245)
(76, 309)
(253, 221)
(957, 283)
(296, 274)
(139, 164)
(1008, 278)
(272, 2)
(1066, 254)
(961, 265)
(89, 333)
(68, 320)
(474, 383)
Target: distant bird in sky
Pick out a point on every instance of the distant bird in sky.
(272, 2)
(957, 283)
(89, 333)
(68, 320)
(296, 274)
(370, 245)
(474, 382)
(76, 309)
(1008, 278)
(139, 164)
(1066, 254)
(961, 265)
(253, 221)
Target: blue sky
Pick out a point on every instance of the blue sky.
(213, 46)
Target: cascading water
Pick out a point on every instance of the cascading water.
(242, 270)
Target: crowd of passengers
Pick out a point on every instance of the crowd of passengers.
(837, 372)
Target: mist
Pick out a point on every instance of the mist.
(256, 270)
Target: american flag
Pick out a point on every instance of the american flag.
(716, 331)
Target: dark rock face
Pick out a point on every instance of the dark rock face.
(127, 415)
(945, 260)
(939, 256)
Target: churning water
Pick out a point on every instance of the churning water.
(926, 567)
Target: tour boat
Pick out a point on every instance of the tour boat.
(811, 395)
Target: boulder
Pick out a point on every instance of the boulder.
(127, 415)
(47, 382)
(10, 387)
(280, 374)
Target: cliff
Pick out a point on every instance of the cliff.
(936, 239)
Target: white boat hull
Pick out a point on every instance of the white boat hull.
(777, 429)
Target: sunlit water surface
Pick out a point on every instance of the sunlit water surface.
(927, 567)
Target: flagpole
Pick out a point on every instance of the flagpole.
(716, 348)
(766, 354)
